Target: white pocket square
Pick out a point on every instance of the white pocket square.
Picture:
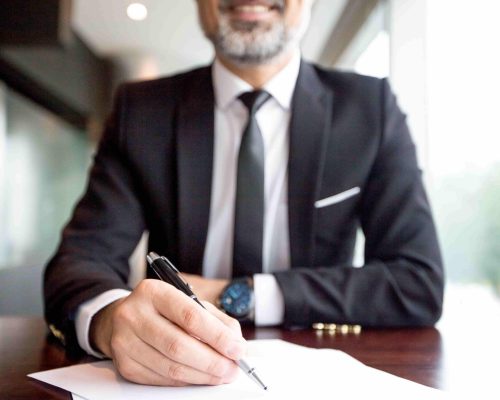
(337, 198)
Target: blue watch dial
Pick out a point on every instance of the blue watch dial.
(237, 299)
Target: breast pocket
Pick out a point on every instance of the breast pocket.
(338, 198)
(336, 217)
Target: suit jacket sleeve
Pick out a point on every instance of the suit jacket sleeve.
(401, 283)
(97, 242)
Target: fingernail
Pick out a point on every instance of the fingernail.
(236, 349)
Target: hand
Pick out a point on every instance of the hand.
(159, 336)
(205, 289)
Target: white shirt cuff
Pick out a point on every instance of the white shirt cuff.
(269, 301)
(90, 308)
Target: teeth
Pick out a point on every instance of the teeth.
(252, 9)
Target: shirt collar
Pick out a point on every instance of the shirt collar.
(228, 86)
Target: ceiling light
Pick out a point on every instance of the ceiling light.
(137, 11)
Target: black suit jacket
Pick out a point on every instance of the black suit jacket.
(153, 171)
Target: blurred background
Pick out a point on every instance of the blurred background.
(60, 61)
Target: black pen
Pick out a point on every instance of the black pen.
(167, 272)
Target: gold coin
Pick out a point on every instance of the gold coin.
(344, 329)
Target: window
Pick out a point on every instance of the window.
(43, 166)
(464, 137)
(369, 52)
(443, 62)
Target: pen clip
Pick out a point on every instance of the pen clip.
(177, 272)
(170, 264)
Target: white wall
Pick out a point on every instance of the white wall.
(445, 60)
(463, 60)
(407, 26)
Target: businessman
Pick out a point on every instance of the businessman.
(252, 175)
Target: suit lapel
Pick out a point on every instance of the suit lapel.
(311, 114)
(195, 137)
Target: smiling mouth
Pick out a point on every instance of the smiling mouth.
(252, 8)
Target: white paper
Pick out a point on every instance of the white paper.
(289, 370)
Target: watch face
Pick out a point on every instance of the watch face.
(237, 299)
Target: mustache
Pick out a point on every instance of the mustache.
(229, 4)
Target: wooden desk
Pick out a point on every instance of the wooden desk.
(459, 360)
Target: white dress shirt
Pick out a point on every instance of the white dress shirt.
(230, 119)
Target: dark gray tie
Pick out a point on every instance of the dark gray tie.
(249, 206)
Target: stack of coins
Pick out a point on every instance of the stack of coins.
(333, 329)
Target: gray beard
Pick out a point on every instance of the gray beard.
(255, 43)
(252, 43)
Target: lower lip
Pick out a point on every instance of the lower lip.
(252, 16)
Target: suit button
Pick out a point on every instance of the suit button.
(58, 334)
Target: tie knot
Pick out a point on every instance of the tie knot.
(254, 100)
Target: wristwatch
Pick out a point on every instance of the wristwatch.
(237, 300)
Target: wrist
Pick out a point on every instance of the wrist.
(101, 329)
(217, 288)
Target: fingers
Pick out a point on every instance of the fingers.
(138, 373)
(148, 366)
(188, 315)
(172, 343)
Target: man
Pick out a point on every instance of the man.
(260, 168)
